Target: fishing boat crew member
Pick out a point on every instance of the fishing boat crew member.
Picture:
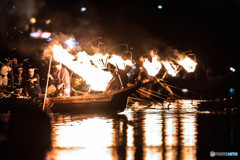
(138, 75)
(4, 75)
(18, 80)
(61, 80)
(16, 65)
(33, 87)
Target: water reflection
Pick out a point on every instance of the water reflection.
(164, 131)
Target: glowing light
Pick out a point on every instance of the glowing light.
(40, 34)
(89, 67)
(152, 67)
(232, 69)
(119, 62)
(83, 9)
(231, 90)
(170, 67)
(83, 67)
(45, 35)
(184, 90)
(48, 21)
(188, 64)
(82, 138)
(189, 130)
(71, 43)
(160, 6)
(152, 130)
(171, 139)
(33, 20)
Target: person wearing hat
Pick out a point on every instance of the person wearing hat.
(61, 80)
(4, 75)
(32, 87)
(15, 66)
(18, 77)
(18, 80)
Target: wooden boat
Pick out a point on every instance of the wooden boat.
(109, 102)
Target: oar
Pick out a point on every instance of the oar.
(45, 96)
(144, 94)
(157, 93)
(9, 92)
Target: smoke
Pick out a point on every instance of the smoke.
(16, 13)
(14, 19)
(28, 8)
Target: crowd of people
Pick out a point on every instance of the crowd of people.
(17, 79)
(14, 79)
(24, 81)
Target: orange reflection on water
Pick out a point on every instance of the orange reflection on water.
(153, 130)
(150, 134)
(94, 132)
(83, 138)
(189, 130)
(171, 138)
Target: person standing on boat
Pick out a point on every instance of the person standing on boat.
(16, 65)
(32, 86)
(4, 75)
(61, 80)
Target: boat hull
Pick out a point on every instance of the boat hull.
(110, 102)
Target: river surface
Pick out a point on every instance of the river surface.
(167, 131)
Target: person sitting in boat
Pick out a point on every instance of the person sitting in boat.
(138, 74)
(32, 86)
(120, 79)
(5, 69)
(61, 80)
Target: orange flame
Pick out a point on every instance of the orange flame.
(97, 78)
(152, 67)
(170, 67)
(90, 68)
(119, 61)
(188, 64)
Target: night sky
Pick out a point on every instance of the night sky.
(209, 28)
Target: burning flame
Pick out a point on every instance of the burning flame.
(89, 67)
(119, 62)
(171, 68)
(188, 64)
(152, 67)
(92, 67)
(97, 78)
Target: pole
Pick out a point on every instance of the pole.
(12, 75)
(45, 96)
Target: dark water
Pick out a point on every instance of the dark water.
(145, 132)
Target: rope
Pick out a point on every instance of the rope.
(148, 92)
(190, 91)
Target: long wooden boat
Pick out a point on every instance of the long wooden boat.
(109, 102)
